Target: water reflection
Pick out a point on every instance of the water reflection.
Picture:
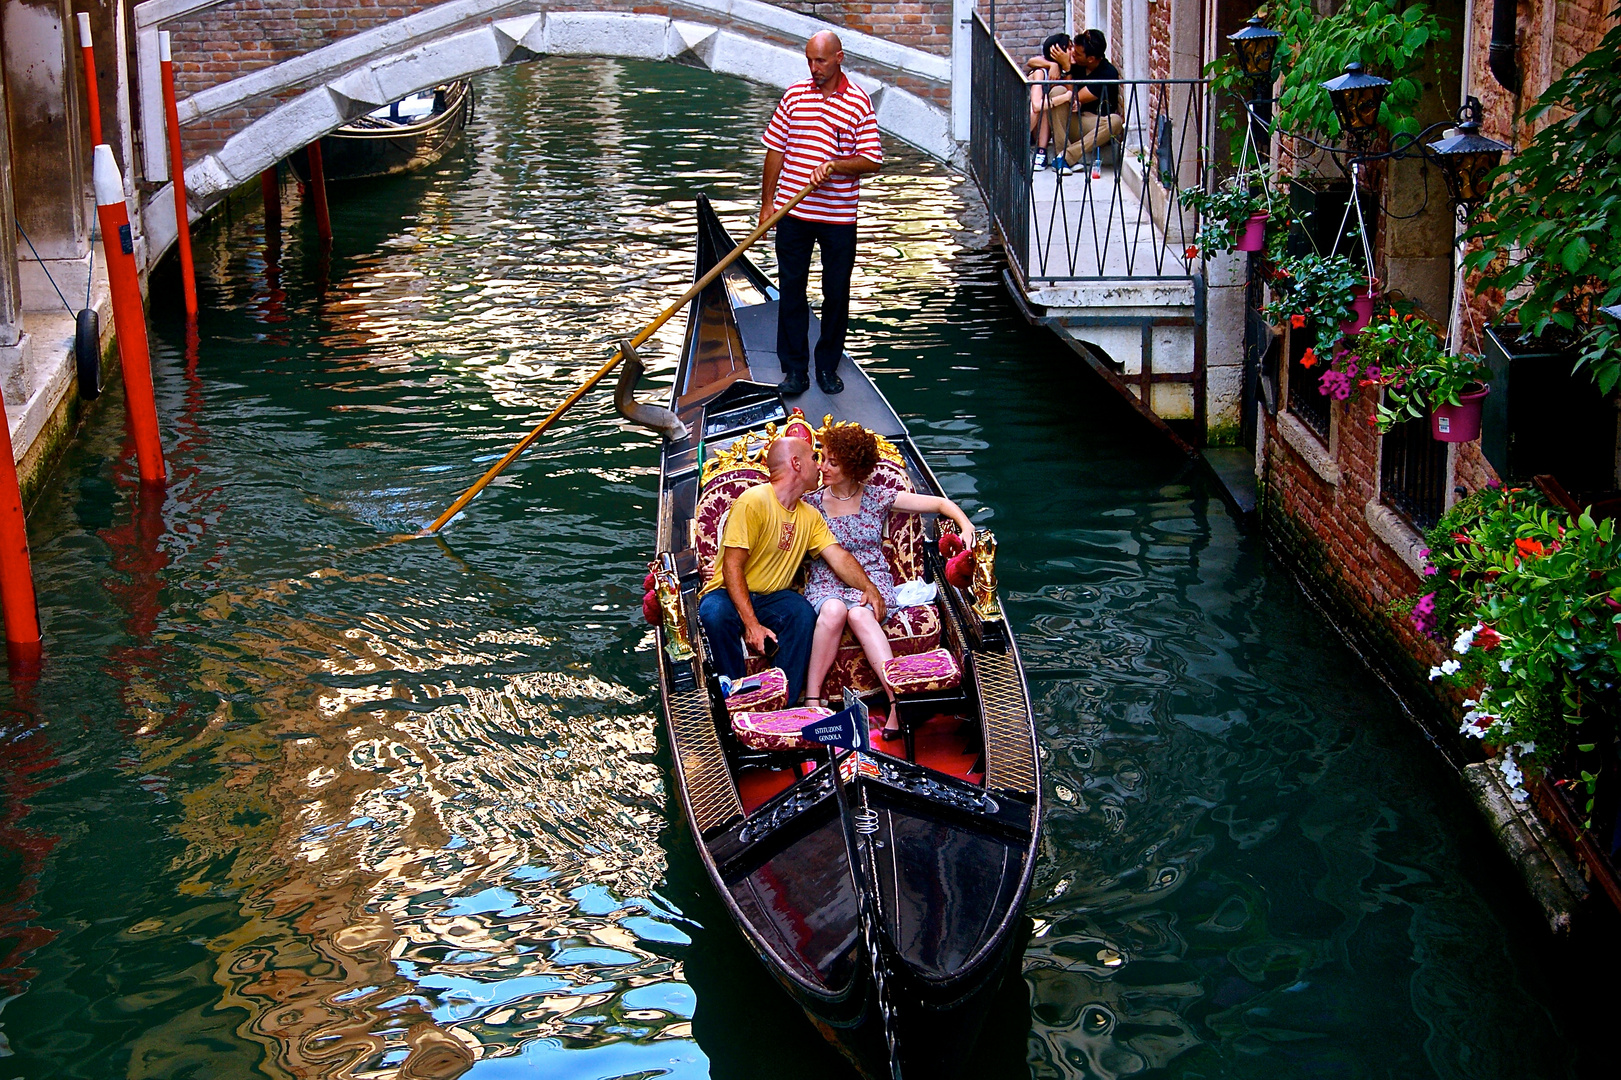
(293, 799)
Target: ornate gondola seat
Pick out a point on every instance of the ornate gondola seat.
(776, 730)
(771, 695)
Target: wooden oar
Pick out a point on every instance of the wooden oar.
(648, 331)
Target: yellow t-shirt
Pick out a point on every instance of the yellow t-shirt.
(777, 540)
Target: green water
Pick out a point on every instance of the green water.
(292, 800)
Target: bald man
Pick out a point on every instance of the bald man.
(748, 600)
(824, 133)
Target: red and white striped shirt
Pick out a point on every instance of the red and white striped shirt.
(808, 129)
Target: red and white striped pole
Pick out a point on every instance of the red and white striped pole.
(177, 171)
(129, 317)
(16, 572)
(92, 93)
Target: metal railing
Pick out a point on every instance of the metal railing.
(1413, 472)
(1118, 215)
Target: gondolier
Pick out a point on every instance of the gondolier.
(824, 132)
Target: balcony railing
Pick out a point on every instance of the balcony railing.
(1118, 215)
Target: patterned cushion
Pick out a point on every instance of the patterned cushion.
(716, 499)
(772, 694)
(777, 730)
(903, 536)
(909, 629)
(923, 673)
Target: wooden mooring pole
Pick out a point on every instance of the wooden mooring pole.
(129, 317)
(323, 220)
(177, 174)
(92, 93)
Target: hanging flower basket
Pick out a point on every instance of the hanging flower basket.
(1460, 422)
(1252, 235)
(1362, 304)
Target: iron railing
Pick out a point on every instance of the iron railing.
(1118, 215)
(1306, 398)
(1413, 472)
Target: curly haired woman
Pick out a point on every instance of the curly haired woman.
(857, 515)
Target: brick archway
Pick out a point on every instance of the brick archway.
(375, 80)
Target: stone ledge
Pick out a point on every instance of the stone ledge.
(1397, 534)
(1554, 881)
(1304, 442)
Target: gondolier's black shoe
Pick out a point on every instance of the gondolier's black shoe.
(794, 384)
(830, 382)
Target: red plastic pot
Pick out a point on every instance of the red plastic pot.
(1461, 422)
(1252, 237)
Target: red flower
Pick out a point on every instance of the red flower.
(1297, 321)
(1531, 549)
(1462, 538)
(1488, 638)
(1309, 360)
(1191, 251)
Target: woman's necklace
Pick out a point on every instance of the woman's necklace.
(844, 498)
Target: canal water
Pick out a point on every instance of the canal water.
(293, 799)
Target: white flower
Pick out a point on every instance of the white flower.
(1470, 703)
(1435, 673)
(1451, 667)
(1526, 747)
(1519, 795)
(1504, 664)
(1466, 639)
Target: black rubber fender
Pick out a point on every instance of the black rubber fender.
(87, 353)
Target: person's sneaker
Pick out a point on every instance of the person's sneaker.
(1060, 167)
(1040, 159)
(794, 384)
(830, 382)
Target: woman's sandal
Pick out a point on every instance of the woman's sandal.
(814, 703)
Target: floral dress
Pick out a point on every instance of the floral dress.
(862, 535)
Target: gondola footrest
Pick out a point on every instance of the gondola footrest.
(776, 730)
(923, 673)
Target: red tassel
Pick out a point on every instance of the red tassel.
(960, 569)
(950, 544)
(647, 582)
(650, 607)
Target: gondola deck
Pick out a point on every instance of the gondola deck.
(884, 894)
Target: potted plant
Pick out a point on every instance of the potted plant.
(1237, 214)
(1317, 294)
(1420, 377)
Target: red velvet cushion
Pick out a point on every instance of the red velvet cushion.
(923, 673)
(771, 696)
(777, 730)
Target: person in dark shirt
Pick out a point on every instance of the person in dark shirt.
(1096, 117)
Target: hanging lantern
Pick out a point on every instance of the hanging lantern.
(1467, 157)
(1356, 96)
(1256, 46)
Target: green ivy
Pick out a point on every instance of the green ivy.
(1390, 38)
(1550, 231)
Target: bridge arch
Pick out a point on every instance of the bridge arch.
(370, 78)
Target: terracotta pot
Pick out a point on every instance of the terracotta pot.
(1252, 237)
(1461, 422)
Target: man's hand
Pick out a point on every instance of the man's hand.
(754, 634)
(871, 595)
(820, 174)
(765, 212)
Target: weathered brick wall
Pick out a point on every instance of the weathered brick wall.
(922, 24)
(235, 38)
(1159, 41)
(1022, 25)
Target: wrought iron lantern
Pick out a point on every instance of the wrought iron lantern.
(1356, 96)
(1467, 157)
(1256, 46)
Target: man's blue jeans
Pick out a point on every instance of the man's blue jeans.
(784, 613)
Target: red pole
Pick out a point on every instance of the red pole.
(270, 185)
(16, 574)
(177, 171)
(92, 94)
(129, 317)
(323, 221)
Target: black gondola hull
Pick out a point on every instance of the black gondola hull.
(355, 153)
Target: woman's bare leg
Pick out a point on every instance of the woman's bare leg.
(825, 644)
(864, 625)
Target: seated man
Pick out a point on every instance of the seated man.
(768, 533)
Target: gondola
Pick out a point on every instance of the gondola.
(408, 134)
(882, 886)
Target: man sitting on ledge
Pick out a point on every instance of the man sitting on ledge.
(768, 533)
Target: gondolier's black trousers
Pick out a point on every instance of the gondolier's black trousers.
(794, 239)
(784, 613)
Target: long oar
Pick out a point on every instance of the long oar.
(648, 331)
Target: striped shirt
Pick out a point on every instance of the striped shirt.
(808, 129)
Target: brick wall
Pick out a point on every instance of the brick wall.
(1022, 25)
(235, 38)
(1159, 41)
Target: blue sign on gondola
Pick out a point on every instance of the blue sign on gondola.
(847, 728)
